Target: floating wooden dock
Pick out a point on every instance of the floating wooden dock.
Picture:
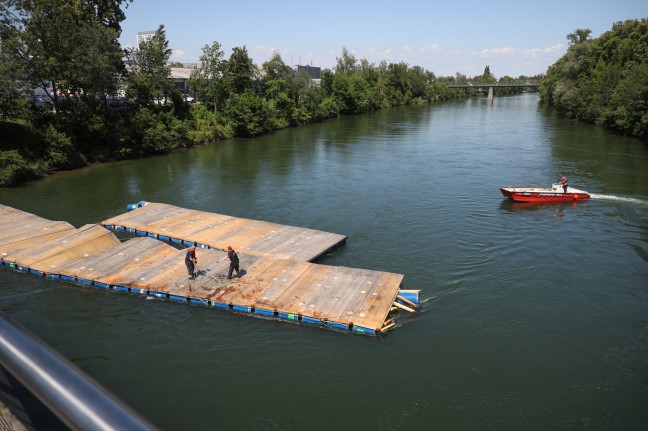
(292, 288)
(209, 230)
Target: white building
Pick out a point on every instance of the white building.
(143, 36)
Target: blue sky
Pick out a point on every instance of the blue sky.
(512, 37)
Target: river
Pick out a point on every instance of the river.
(534, 316)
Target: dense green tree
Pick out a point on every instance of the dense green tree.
(109, 12)
(72, 47)
(603, 80)
(380, 86)
(101, 76)
(420, 83)
(372, 76)
(306, 96)
(248, 114)
(350, 93)
(628, 102)
(239, 72)
(64, 47)
(326, 83)
(70, 50)
(11, 80)
(328, 106)
(400, 86)
(278, 89)
(205, 126)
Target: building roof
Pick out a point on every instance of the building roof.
(181, 72)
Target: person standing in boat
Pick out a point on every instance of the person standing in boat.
(563, 182)
(191, 260)
(234, 262)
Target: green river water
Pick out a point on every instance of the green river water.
(533, 316)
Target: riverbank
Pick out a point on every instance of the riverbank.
(42, 142)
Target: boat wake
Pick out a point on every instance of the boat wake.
(429, 298)
(619, 198)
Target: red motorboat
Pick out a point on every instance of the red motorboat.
(557, 193)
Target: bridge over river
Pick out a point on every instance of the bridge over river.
(491, 87)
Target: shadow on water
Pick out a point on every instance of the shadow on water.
(512, 206)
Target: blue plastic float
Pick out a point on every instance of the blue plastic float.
(131, 207)
(412, 296)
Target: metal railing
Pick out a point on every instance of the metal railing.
(79, 401)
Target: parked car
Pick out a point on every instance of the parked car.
(188, 98)
(116, 102)
(43, 101)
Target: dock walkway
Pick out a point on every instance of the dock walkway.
(211, 230)
(343, 298)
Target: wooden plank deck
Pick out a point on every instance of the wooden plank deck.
(347, 297)
(218, 231)
(20, 230)
(75, 244)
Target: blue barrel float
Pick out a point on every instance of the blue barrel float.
(413, 296)
(132, 207)
(408, 297)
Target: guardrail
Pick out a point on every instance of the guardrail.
(79, 401)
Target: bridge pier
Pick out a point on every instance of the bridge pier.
(490, 94)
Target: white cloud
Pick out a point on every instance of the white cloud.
(433, 57)
(485, 53)
(385, 53)
(502, 61)
(178, 55)
(265, 50)
(559, 47)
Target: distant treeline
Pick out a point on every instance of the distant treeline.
(604, 80)
(70, 50)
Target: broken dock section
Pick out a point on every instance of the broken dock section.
(293, 289)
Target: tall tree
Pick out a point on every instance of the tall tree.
(419, 82)
(579, 36)
(346, 63)
(399, 84)
(11, 80)
(239, 71)
(149, 74)
(207, 80)
(277, 87)
(66, 47)
(487, 77)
